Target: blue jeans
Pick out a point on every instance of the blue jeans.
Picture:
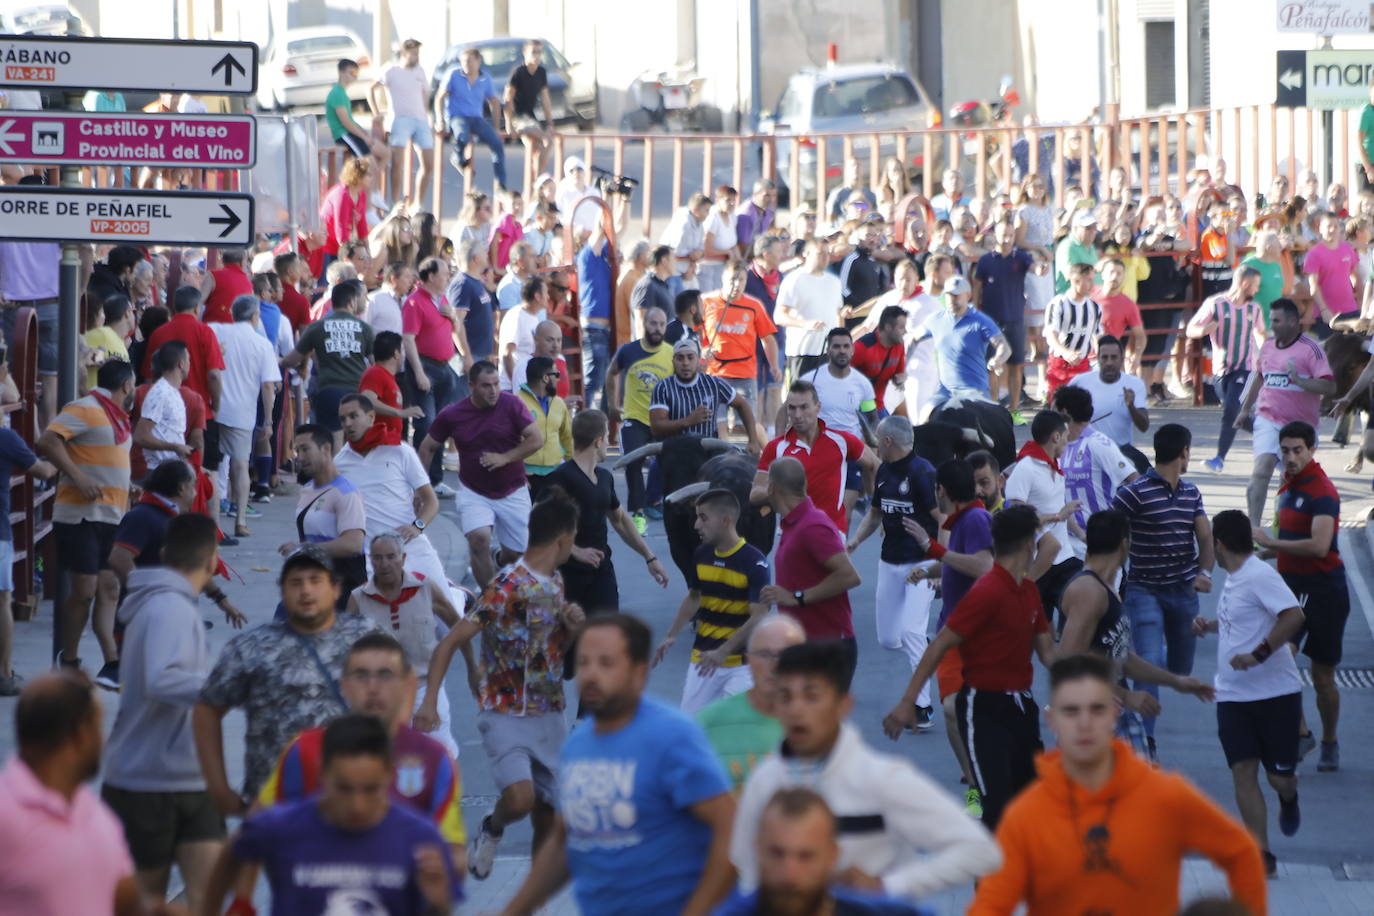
(465, 129)
(596, 357)
(443, 384)
(1162, 629)
(634, 434)
(1229, 388)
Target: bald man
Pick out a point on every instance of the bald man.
(743, 728)
(548, 341)
(63, 849)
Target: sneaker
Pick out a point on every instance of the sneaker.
(1306, 744)
(68, 664)
(108, 676)
(654, 513)
(973, 803)
(444, 491)
(641, 523)
(1017, 418)
(1290, 818)
(1214, 465)
(1271, 864)
(226, 507)
(11, 685)
(262, 495)
(228, 540)
(482, 851)
(252, 511)
(925, 718)
(1330, 761)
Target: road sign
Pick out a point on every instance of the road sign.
(1325, 79)
(136, 217)
(90, 138)
(49, 62)
(1324, 17)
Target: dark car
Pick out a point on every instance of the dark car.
(572, 90)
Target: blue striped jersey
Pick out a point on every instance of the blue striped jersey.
(1163, 546)
(726, 582)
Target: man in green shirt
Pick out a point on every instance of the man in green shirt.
(742, 728)
(1365, 174)
(338, 112)
(1076, 248)
(1266, 260)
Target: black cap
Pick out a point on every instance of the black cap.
(310, 556)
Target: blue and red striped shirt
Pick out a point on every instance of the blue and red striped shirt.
(1302, 498)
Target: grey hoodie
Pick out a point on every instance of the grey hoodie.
(163, 666)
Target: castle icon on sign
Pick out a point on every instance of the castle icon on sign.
(48, 137)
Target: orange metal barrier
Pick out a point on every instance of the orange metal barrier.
(30, 507)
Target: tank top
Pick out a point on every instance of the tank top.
(409, 618)
(230, 283)
(1113, 633)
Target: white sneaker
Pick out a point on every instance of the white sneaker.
(444, 491)
(482, 851)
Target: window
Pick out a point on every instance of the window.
(864, 96)
(319, 44)
(1159, 64)
(790, 105)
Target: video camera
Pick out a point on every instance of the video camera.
(610, 183)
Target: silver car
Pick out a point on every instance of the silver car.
(302, 65)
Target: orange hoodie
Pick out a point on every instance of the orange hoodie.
(1152, 820)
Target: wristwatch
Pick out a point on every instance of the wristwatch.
(419, 524)
(800, 595)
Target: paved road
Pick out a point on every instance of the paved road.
(1328, 867)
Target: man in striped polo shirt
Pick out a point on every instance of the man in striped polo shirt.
(1093, 465)
(1235, 325)
(685, 402)
(1172, 556)
(724, 603)
(1073, 321)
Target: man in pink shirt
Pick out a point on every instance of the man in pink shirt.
(1120, 314)
(427, 329)
(63, 849)
(1333, 270)
(1291, 375)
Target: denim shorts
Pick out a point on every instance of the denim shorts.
(409, 130)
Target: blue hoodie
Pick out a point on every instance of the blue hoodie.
(163, 666)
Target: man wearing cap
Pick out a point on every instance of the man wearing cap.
(685, 403)
(961, 335)
(1078, 247)
(405, 88)
(572, 189)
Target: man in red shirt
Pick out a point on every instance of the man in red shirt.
(221, 287)
(379, 384)
(207, 359)
(995, 627)
(880, 355)
(428, 325)
(292, 270)
(811, 566)
(829, 456)
(1120, 314)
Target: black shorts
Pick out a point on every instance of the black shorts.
(1015, 333)
(156, 823)
(352, 145)
(84, 546)
(210, 461)
(854, 476)
(1325, 606)
(1263, 730)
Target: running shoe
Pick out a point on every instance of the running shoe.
(925, 718)
(1271, 864)
(482, 851)
(262, 494)
(108, 676)
(655, 513)
(641, 523)
(1017, 419)
(11, 685)
(973, 803)
(1330, 761)
(228, 540)
(444, 491)
(226, 507)
(1306, 744)
(1214, 465)
(1290, 818)
(252, 511)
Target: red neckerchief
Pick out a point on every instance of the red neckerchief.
(407, 592)
(205, 491)
(1032, 449)
(957, 513)
(377, 434)
(119, 419)
(1307, 473)
(152, 499)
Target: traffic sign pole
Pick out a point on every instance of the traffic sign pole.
(68, 354)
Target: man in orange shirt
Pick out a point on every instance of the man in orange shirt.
(734, 326)
(1101, 830)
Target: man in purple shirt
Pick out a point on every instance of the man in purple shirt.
(756, 216)
(28, 279)
(494, 433)
(811, 567)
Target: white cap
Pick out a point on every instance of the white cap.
(572, 163)
(1085, 218)
(957, 285)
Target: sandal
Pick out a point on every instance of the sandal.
(241, 531)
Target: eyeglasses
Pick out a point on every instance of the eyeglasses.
(363, 676)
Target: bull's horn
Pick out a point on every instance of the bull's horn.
(974, 437)
(712, 444)
(644, 451)
(691, 491)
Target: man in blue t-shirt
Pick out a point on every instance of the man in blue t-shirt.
(644, 805)
(462, 104)
(999, 288)
(961, 336)
(595, 294)
(14, 455)
(348, 849)
(471, 298)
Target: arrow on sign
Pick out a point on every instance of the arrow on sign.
(228, 63)
(6, 135)
(1291, 79)
(230, 220)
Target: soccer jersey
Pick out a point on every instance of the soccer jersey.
(643, 369)
(1078, 324)
(825, 461)
(1093, 468)
(1302, 498)
(1279, 399)
(905, 489)
(727, 582)
(1233, 338)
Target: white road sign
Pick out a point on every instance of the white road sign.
(59, 62)
(215, 219)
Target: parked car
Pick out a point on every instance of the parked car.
(300, 65)
(41, 19)
(855, 99)
(572, 88)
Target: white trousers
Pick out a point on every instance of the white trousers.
(903, 615)
(701, 690)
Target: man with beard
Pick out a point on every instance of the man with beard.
(848, 404)
(1119, 407)
(685, 402)
(329, 512)
(539, 394)
(643, 364)
(880, 355)
(617, 867)
(962, 335)
(798, 851)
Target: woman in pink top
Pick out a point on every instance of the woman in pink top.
(344, 211)
(508, 230)
(1334, 267)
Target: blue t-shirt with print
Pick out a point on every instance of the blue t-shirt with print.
(14, 454)
(315, 867)
(633, 846)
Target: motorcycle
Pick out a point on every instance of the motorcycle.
(671, 101)
(994, 113)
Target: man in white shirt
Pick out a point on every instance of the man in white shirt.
(395, 488)
(384, 305)
(248, 388)
(847, 399)
(406, 88)
(1037, 481)
(572, 189)
(809, 300)
(516, 338)
(1259, 693)
(161, 427)
(523, 264)
(1119, 405)
(686, 233)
